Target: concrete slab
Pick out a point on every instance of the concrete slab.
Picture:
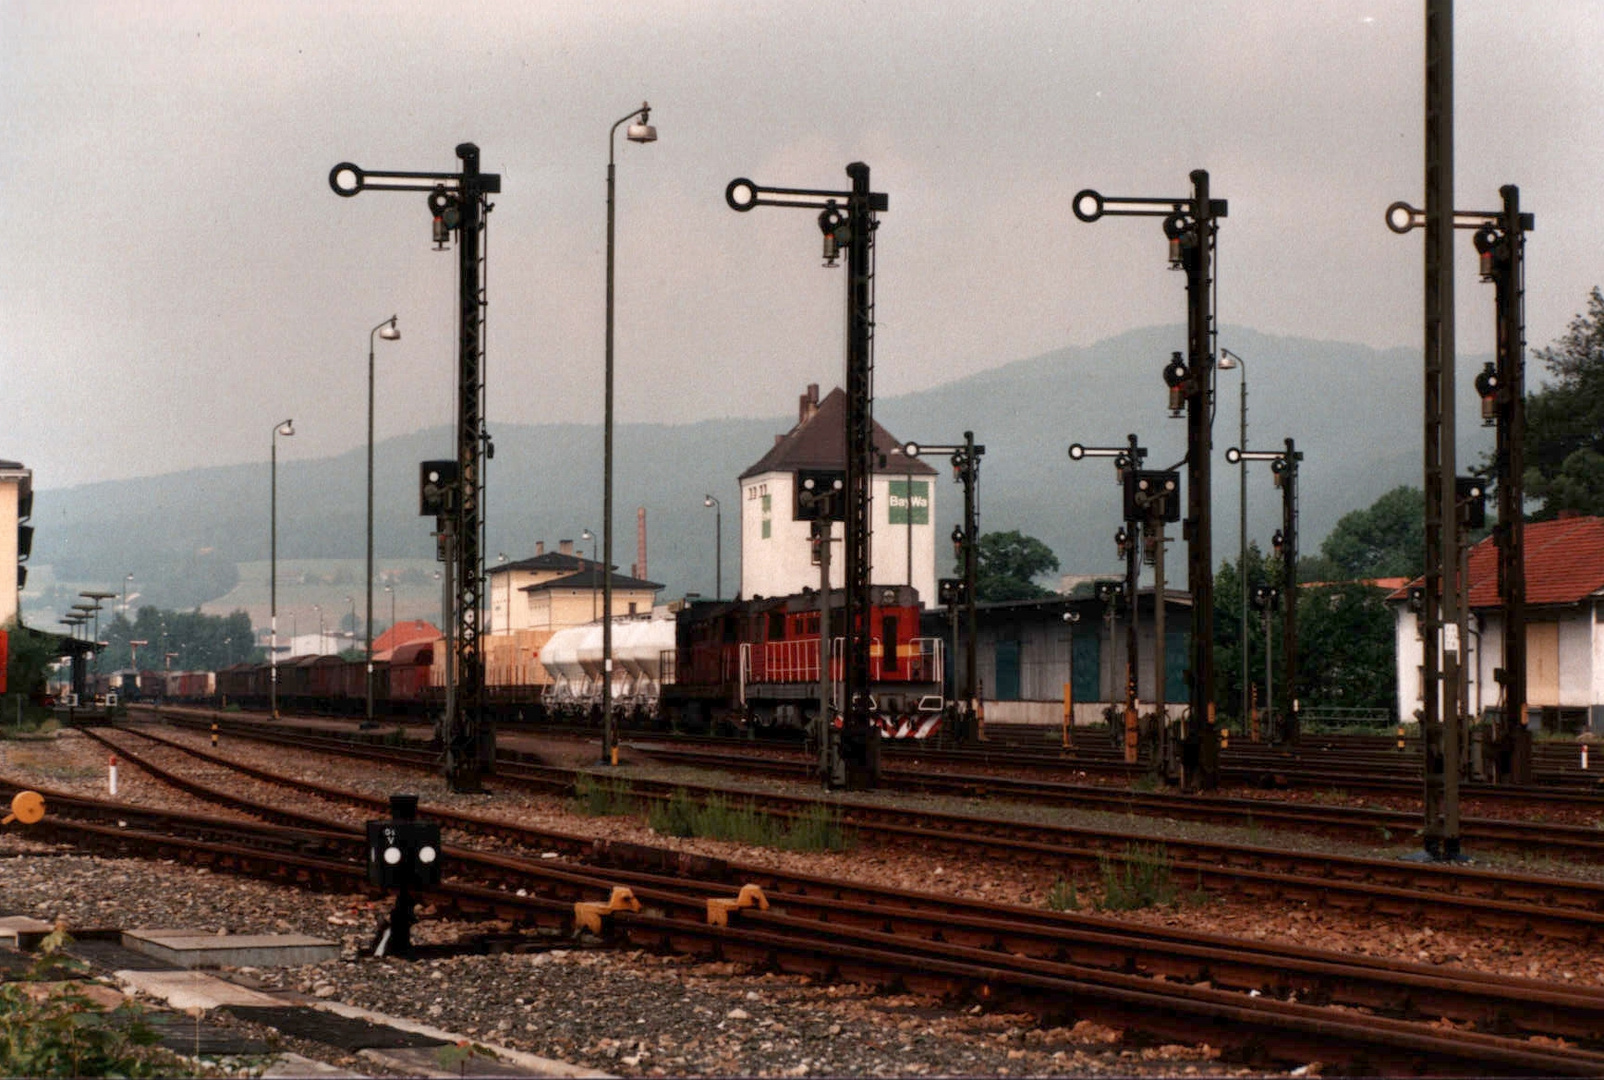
(192, 989)
(295, 1067)
(187, 949)
(511, 1062)
(12, 925)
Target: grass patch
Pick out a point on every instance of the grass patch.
(61, 1032)
(718, 818)
(1140, 880)
(1061, 896)
(1146, 783)
(604, 798)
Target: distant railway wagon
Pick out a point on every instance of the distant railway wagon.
(757, 662)
(714, 664)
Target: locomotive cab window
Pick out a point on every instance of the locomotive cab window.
(888, 637)
(776, 626)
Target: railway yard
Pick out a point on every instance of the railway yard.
(1010, 910)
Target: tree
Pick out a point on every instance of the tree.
(1565, 420)
(1387, 539)
(1008, 564)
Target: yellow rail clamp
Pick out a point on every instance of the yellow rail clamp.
(26, 807)
(718, 909)
(588, 914)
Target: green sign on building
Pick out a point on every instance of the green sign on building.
(909, 499)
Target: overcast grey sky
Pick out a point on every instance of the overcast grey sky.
(177, 276)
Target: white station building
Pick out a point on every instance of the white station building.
(777, 550)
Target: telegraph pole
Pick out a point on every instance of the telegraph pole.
(847, 219)
(1190, 225)
(458, 205)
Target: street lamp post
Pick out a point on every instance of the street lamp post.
(588, 535)
(718, 545)
(287, 427)
(95, 598)
(641, 132)
(391, 590)
(1229, 360)
(389, 332)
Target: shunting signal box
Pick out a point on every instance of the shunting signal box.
(1143, 486)
(403, 853)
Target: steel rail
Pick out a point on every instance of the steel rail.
(1011, 954)
(1547, 906)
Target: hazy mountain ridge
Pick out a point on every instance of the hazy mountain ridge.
(1354, 411)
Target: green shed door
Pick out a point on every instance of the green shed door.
(1086, 653)
(1007, 688)
(1176, 645)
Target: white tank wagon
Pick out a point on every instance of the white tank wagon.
(573, 657)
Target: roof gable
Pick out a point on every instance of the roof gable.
(819, 442)
(1564, 564)
(591, 578)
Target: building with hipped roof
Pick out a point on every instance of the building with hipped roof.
(531, 599)
(776, 549)
(1564, 628)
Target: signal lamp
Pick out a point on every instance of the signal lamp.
(1487, 386)
(1175, 373)
(1175, 229)
(1486, 244)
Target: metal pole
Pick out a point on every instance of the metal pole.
(609, 749)
(1511, 456)
(1440, 721)
(609, 735)
(860, 738)
(1201, 736)
(1289, 591)
(1242, 522)
(368, 651)
(827, 757)
(1166, 741)
(971, 477)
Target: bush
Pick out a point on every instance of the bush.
(63, 1032)
(1140, 880)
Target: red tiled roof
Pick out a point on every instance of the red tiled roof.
(820, 441)
(1564, 564)
(403, 633)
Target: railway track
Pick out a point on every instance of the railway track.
(1424, 893)
(1571, 842)
(1057, 963)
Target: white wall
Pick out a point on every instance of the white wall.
(781, 563)
(1581, 661)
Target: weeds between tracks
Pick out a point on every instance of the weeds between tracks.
(817, 828)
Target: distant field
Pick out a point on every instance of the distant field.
(303, 583)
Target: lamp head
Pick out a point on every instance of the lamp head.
(642, 130)
(390, 331)
(707, 500)
(286, 428)
(1228, 360)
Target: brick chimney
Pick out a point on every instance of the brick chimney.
(540, 547)
(565, 547)
(807, 404)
